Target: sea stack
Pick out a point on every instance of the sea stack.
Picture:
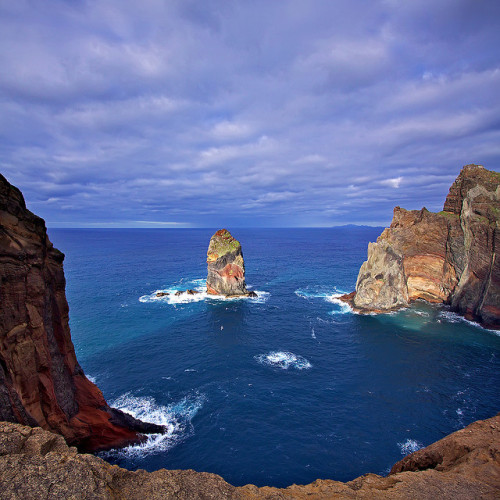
(446, 257)
(226, 268)
(41, 382)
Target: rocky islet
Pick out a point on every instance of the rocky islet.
(226, 267)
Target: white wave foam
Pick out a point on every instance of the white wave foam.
(318, 293)
(176, 418)
(425, 314)
(343, 306)
(332, 296)
(284, 360)
(91, 378)
(199, 286)
(453, 317)
(410, 446)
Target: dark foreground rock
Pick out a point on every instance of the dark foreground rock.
(226, 268)
(38, 464)
(41, 382)
(447, 257)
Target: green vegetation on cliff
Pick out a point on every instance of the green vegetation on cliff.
(222, 243)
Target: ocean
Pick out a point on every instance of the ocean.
(284, 388)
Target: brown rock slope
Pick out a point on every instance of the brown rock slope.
(450, 256)
(226, 268)
(38, 464)
(41, 382)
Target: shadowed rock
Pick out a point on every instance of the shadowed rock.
(41, 382)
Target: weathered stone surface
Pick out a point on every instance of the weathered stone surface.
(226, 268)
(448, 257)
(38, 464)
(41, 382)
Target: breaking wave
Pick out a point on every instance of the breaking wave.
(175, 417)
(342, 307)
(283, 360)
(199, 286)
(410, 446)
(453, 317)
(329, 295)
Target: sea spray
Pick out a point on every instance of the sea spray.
(176, 418)
(284, 360)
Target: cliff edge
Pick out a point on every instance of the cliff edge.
(41, 382)
(447, 257)
(38, 464)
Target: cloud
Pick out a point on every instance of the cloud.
(394, 183)
(231, 113)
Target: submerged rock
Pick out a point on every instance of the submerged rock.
(38, 464)
(447, 257)
(226, 268)
(41, 382)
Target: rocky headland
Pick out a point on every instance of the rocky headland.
(447, 257)
(226, 267)
(41, 382)
(38, 464)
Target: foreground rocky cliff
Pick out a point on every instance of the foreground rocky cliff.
(447, 257)
(38, 464)
(226, 268)
(41, 382)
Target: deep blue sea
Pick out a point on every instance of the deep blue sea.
(285, 388)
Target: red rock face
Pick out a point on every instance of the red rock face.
(225, 265)
(41, 382)
(446, 257)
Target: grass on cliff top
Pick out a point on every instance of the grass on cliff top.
(222, 243)
(451, 215)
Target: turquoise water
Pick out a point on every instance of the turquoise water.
(287, 387)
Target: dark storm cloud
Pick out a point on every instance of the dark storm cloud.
(245, 113)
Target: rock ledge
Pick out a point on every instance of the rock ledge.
(38, 464)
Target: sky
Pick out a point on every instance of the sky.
(239, 113)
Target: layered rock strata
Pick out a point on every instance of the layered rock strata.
(447, 257)
(226, 268)
(38, 464)
(41, 382)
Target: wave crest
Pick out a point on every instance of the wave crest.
(284, 360)
(198, 285)
(410, 446)
(176, 418)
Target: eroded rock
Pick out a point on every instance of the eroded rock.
(447, 257)
(226, 268)
(38, 464)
